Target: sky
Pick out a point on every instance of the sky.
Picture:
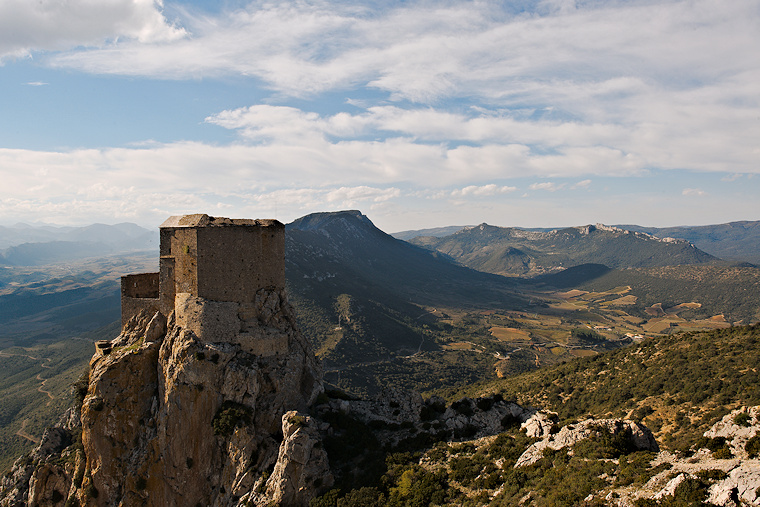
(530, 113)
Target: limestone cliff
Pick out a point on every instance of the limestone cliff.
(189, 411)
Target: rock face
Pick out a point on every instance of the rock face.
(742, 485)
(569, 435)
(47, 475)
(302, 466)
(172, 419)
(740, 482)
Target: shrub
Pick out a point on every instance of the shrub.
(463, 407)
(229, 416)
(742, 419)
(80, 386)
(711, 474)
(715, 445)
(363, 497)
(485, 404)
(753, 446)
(298, 421)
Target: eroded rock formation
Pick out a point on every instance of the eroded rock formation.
(170, 419)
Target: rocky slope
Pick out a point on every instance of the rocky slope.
(170, 418)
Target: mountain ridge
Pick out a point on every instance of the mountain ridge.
(518, 252)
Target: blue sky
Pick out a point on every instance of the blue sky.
(419, 113)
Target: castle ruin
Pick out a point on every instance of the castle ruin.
(213, 273)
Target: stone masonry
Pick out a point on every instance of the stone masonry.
(212, 258)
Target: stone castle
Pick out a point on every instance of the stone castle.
(213, 275)
(218, 259)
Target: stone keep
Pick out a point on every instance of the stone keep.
(216, 259)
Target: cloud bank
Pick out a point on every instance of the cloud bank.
(449, 101)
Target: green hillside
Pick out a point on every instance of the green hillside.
(715, 289)
(678, 385)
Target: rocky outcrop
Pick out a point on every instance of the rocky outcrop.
(732, 479)
(46, 476)
(174, 418)
(737, 427)
(302, 467)
(639, 435)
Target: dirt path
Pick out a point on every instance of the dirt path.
(41, 387)
(23, 434)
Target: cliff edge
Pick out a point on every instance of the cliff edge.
(173, 418)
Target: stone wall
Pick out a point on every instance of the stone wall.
(212, 258)
(139, 292)
(235, 262)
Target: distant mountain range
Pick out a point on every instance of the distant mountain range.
(518, 252)
(734, 241)
(26, 245)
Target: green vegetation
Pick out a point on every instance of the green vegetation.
(753, 446)
(680, 384)
(466, 474)
(297, 421)
(36, 388)
(230, 416)
(742, 419)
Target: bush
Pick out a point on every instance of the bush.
(229, 416)
(742, 419)
(363, 497)
(485, 404)
(711, 474)
(80, 387)
(714, 445)
(463, 407)
(298, 421)
(753, 446)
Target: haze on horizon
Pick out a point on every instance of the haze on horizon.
(419, 113)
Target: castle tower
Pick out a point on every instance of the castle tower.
(217, 259)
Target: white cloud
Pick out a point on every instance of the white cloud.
(582, 184)
(494, 142)
(694, 191)
(27, 26)
(423, 51)
(482, 191)
(547, 185)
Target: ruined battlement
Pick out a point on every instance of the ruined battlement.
(138, 292)
(214, 258)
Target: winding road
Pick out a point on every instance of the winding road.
(41, 388)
